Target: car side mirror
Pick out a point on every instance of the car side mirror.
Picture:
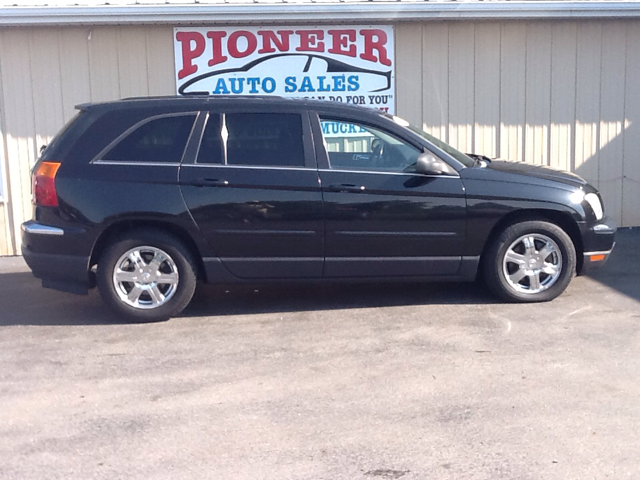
(427, 163)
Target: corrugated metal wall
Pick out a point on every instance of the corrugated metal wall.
(554, 93)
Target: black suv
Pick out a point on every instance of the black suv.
(146, 196)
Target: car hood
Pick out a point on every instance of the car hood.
(537, 172)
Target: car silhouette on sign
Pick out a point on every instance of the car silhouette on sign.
(278, 75)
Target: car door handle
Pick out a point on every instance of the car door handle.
(347, 187)
(208, 182)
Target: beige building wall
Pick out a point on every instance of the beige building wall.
(551, 93)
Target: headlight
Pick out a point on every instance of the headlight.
(596, 205)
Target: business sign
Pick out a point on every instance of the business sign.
(343, 64)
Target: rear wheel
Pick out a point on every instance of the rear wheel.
(530, 261)
(147, 275)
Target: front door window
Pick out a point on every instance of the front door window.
(356, 146)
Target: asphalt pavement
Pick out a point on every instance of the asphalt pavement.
(410, 381)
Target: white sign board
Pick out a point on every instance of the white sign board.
(349, 64)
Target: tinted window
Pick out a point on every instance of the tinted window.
(270, 139)
(160, 140)
(352, 145)
(62, 140)
(211, 147)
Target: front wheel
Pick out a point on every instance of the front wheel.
(147, 275)
(531, 261)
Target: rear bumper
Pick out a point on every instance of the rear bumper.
(67, 273)
(598, 240)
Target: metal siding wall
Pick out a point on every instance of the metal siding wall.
(46, 72)
(487, 89)
(6, 247)
(631, 165)
(408, 62)
(512, 90)
(74, 68)
(104, 72)
(562, 94)
(18, 126)
(5, 237)
(132, 62)
(435, 79)
(461, 85)
(160, 61)
(612, 110)
(588, 100)
(537, 93)
(46, 84)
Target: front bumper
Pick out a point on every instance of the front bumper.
(67, 273)
(598, 240)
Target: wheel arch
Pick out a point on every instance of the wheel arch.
(559, 218)
(120, 228)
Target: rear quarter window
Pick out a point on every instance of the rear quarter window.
(64, 139)
(157, 140)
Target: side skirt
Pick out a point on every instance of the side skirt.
(217, 273)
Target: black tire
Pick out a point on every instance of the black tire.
(496, 269)
(160, 295)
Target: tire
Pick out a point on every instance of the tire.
(147, 275)
(532, 261)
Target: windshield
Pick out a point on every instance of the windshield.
(461, 157)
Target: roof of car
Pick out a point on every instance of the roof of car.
(203, 101)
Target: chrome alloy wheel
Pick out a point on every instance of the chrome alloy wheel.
(145, 277)
(532, 264)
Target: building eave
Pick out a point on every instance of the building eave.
(309, 13)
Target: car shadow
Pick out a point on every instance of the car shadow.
(215, 301)
(24, 302)
(622, 270)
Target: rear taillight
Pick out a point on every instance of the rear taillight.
(44, 184)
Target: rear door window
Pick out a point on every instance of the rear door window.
(159, 140)
(254, 139)
(211, 146)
